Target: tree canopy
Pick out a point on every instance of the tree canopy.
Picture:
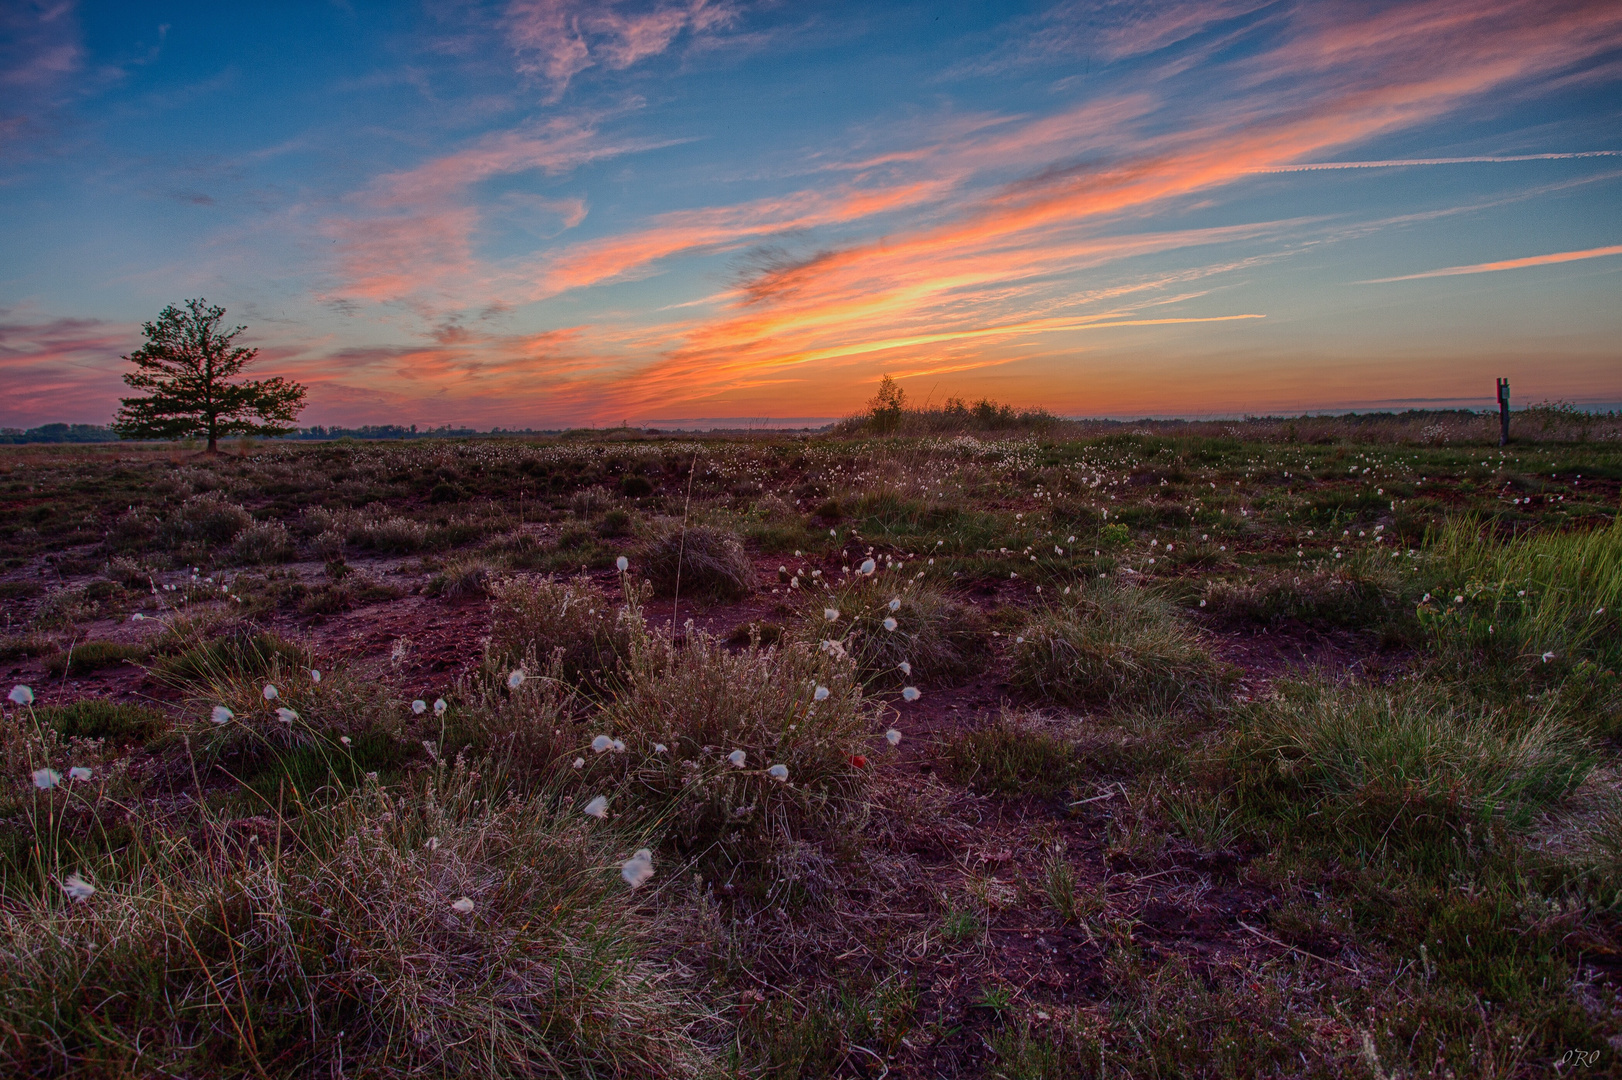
(188, 365)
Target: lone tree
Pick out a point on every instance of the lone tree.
(885, 408)
(187, 365)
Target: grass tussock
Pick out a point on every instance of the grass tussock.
(1355, 596)
(798, 709)
(700, 561)
(87, 656)
(1408, 769)
(93, 718)
(546, 618)
(1012, 753)
(884, 624)
(432, 932)
(1112, 644)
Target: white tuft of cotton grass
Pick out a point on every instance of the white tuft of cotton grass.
(906, 667)
(419, 707)
(464, 906)
(602, 744)
(910, 693)
(622, 564)
(660, 748)
(45, 779)
(516, 679)
(597, 808)
(831, 614)
(890, 624)
(820, 694)
(778, 772)
(638, 868)
(77, 887)
(286, 715)
(21, 695)
(895, 603)
(78, 772)
(315, 675)
(440, 706)
(893, 737)
(737, 757)
(271, 694)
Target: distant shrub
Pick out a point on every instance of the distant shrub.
(635, 487)
(62, 608)
(1111, 643)
(392, 536)
(446, 492)
(208, 519)
(128, 573)
(703, 562)
(263, 542)
(466, 576)
(590, 501)
(616, 522)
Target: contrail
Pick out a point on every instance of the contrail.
(1318, 165)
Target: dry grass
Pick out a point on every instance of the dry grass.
(700, 561)
(941, 639)
(549, 618)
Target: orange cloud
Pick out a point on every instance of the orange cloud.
(1505, 264)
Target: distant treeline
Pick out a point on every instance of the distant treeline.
(389, 431)
(59, 433)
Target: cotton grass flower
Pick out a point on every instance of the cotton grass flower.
(906, 667)
(77, 887)
(820, 694)
(737, 758)
(890, 624)
(602, 744)
(21, 695)
(579, 763)
(831, 614)
(867, 567)
(221, 715)
(893, 737)
(638, 868)
(440, 706)
(270, 692)
(895, 603)
(286, 715)
(622, 564)
(464, 906)
(1547, 657)
(78, 772)
(910, 693)
(346, 740)
(597, 808)
(315, 675)
(45, 779)
(778, 772)
(419, 707)
(515, 679)
(660, 748)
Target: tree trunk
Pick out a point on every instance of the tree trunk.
(213, 447)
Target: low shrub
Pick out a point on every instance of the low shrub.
(209, 519)
(465, 576)
(391, 536)
(1109, 643)
(700, 561)
(263, 542)
(617, 522)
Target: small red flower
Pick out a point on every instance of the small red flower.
(859, 760)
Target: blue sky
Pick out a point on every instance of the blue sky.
(545, 212)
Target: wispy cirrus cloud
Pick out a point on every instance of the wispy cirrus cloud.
(555, 40)
(40, 54)
(1505, 264)
(46, 363)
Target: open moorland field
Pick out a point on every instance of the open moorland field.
(1037, 753)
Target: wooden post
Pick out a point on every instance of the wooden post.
(1503, 412)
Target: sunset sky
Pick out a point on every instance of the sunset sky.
(541, 212)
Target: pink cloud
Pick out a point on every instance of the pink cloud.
(555, 40)
(44, 365)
